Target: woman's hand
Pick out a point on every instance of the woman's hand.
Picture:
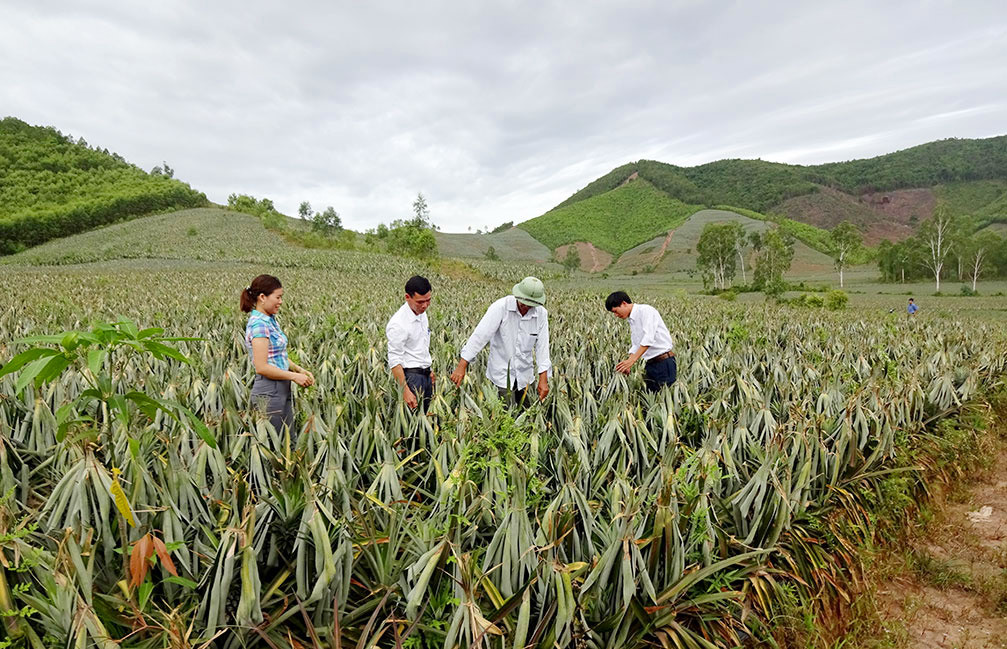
(303, 380)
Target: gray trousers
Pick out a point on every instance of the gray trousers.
(275, 400)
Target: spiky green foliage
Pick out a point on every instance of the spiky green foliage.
(603, 517)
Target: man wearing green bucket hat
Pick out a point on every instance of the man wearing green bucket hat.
(515, 327)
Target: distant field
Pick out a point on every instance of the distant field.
(514, 244)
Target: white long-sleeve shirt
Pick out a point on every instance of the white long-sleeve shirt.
(646, 327)
(512, 339)
(408, 339)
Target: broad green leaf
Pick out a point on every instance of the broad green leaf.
(22, 359)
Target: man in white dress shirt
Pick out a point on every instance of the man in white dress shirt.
(514, 326)
(650, 340)
(408, 335)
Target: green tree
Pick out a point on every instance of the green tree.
(491, 254)
(571, 261)
(773, 261)
(327, 222)
(304, 210)
(717, 248)
(421, 212)
(845, 241)
(411, 240)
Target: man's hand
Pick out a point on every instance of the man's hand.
(433, 377)
(459, 373)
(543, 387)
(311, 377)
(624, 366)
(303, 380)
(410, 398)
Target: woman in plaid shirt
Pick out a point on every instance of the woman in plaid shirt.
(267, 346)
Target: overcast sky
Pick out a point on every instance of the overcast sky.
(495, 111)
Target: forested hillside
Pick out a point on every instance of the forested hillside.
(52, 186)
(762, 186)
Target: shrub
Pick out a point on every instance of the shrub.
(812, 300)
(836, 300)
(968, 291)
(729, 296)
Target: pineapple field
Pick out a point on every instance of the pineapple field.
(143, 505)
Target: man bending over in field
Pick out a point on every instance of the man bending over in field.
(514, 326)
(408, 335)
(650, 340)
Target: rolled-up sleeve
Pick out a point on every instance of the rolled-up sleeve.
(542, 359)
(484, 331)
(396, 343)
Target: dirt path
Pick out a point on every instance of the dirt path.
(952, 590)
(664, 248)
(592, 259)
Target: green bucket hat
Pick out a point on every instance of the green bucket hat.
(530, 292)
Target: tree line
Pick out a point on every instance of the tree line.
(52, 185)
(725, 247)
(946, 247)
(413, 237)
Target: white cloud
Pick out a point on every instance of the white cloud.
(495, 111)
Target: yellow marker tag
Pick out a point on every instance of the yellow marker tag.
(121, 502)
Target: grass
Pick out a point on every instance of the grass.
(614, 221)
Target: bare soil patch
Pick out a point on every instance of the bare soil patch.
(592, 260)
(952, 589)
(893, 215)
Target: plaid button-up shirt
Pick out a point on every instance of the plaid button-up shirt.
(261, 325)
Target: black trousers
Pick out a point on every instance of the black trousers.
(418, 380)
(515, 397)
(660, 373)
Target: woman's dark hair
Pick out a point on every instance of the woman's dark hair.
(617, 298)
(261, 285)
(418, 284)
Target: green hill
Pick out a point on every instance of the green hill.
(201, 234)
(969, 176)
(52, 186)
(614, 221)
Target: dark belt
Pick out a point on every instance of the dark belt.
(661, 357)
(425, 371)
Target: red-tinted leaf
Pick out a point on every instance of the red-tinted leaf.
(162, 554)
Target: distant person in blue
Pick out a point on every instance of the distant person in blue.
(267, 346)
(912, 308)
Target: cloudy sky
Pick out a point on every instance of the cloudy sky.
(496, 111)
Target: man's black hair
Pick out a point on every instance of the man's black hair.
(910, 299)
(617, 298)
(417, 284)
